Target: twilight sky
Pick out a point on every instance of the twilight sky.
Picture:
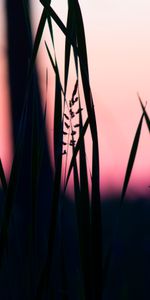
(118, 43)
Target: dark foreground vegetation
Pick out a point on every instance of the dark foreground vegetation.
(50, 246)
(128, 237)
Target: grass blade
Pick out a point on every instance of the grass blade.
(44, 279)
(85, 217)
(131, 159)
(57, 110)
(96, 224)
(145, 114)
(37, 40)
(69, 29)
(96, 227)
(57, 120)
(58, 130)
(59, 23)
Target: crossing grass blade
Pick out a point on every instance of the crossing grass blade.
(145, 114)
(59, 23)
(70, 29)
(96, 227)
(37, 41)
(3, 178)
(131, 159)
(55, 67)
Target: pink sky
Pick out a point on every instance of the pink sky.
(5, 121)
(118, 43)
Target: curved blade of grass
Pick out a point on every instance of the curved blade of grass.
(96, 232)
(51, 29)
(96, 213)
(70, 29)
(51, 59)
(59, 23)
(57, 120)
(96, 224)
(37, 40)
(57, 110)
(3, 178)
(43, 283)
(85, 215)
(131, 159)
(145, 113)
(54, 65)
(81, 42)
(83, 168)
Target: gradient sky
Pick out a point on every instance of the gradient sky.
(118, 43)
(5, 121)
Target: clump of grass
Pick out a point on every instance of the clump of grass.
(134, 149)
(69, 133)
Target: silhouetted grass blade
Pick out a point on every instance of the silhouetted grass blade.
(145, 114)
(81, 39)
(55, 67)
(85, 226)
(41, 142)
(58, 109)
(51, 59)
(80, 223)
(96, 224)
(58, 21)
(67, 49)
(3, 178)
(131, 158)
(96, 206)
(37, 42)
(57, 120)
(43, 283)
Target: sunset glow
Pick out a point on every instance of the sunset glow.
(118, 45)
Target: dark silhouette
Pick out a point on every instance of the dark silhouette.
(125, 232)
(30, 211)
